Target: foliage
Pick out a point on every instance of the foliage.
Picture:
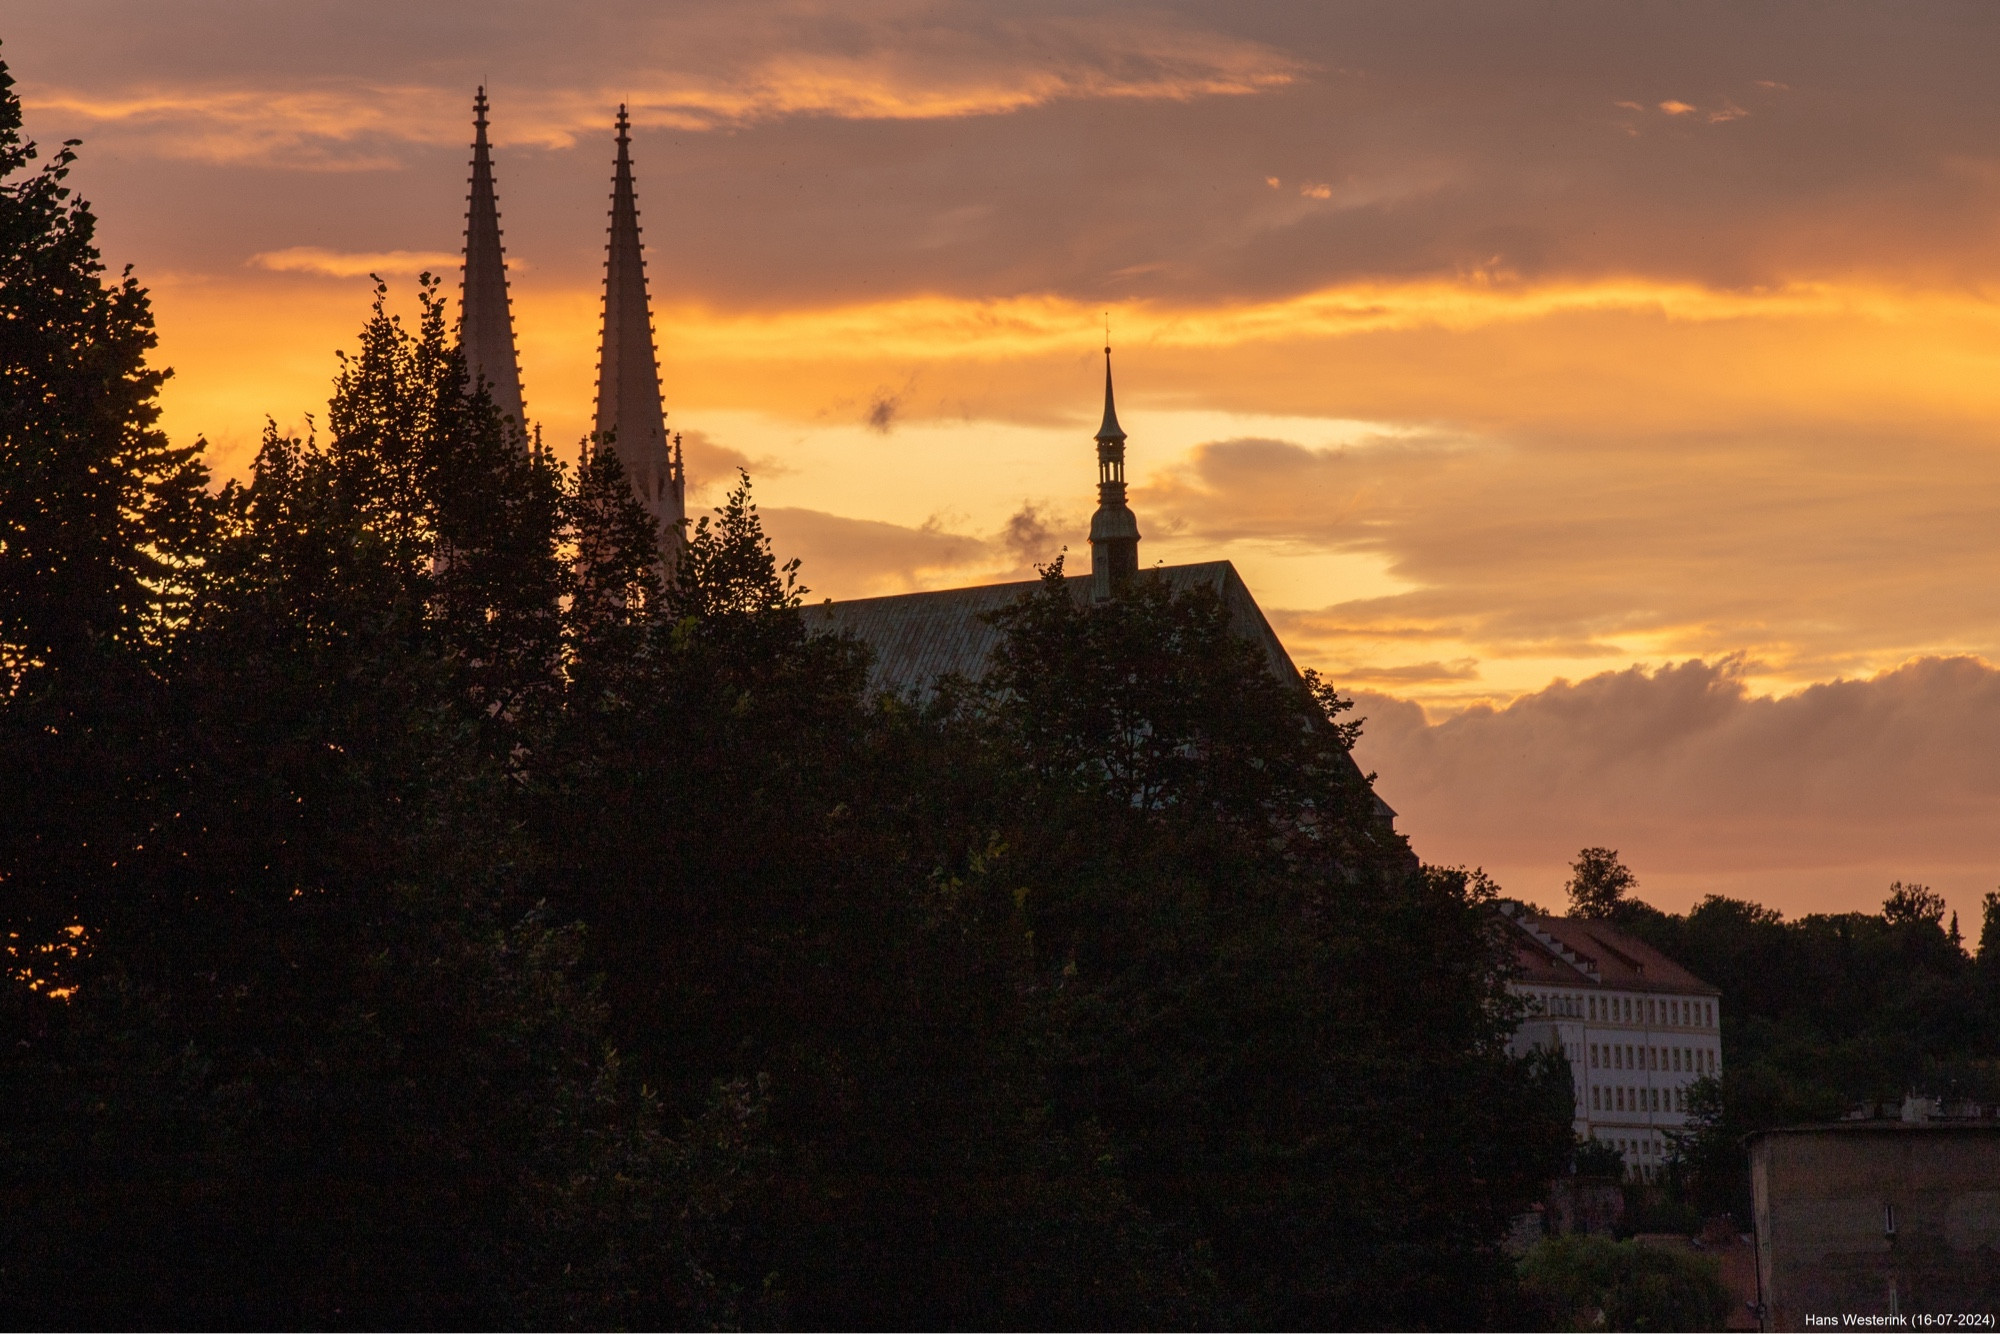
(1912, 904)
(101, 518)
(1597, 1158)
(1819, 1014)
(1599, 882)
(1589, 1282)
(431, 901)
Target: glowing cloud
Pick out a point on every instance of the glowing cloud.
(347, 264)
(921, 74)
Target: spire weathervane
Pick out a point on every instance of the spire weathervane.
(485, 316)
(1114, 529)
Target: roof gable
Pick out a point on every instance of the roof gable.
(918, 637)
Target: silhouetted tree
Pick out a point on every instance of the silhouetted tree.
(1913, 905)
(420, 912)
(1599, 882)
(1989, 931)
(101, 518)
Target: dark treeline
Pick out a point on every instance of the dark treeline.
(419, 913)
(1819, 1014)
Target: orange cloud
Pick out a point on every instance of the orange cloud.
(350, 264)
(1809, 801)
(1676, 108)
(921, 74)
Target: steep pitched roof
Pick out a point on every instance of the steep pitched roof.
(918, 637)
(1582, 952)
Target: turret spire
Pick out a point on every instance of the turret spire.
(629, 410)
(1114, 529)
(485, 320)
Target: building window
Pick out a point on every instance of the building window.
(1595, 1100)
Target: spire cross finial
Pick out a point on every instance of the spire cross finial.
(624, 124)
(479, 107)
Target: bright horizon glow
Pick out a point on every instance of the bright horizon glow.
(1500, 367)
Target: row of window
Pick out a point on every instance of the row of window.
(1627, 1056)
(1618, 1098)
(1631, 1009)
(1640, 1148)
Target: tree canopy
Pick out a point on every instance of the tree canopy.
(1821, 1013)
(427, 906)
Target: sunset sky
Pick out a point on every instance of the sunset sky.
(1607, 395)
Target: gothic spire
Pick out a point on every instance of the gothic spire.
(485, 321)
(1114, 529)
(629, 410)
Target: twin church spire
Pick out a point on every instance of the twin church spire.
(631, 415)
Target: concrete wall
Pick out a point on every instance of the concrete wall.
(1820, 1195)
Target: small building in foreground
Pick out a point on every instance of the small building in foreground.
(1638, 1028)
(1878, 1224)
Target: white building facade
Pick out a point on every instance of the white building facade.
(1638, 1029)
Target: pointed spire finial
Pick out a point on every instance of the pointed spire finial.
(1114, 530)
(630, 413)
(485, 317)
(1110, 429)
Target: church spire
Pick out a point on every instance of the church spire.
(485, 322)
(1114, 529)
(629, 410)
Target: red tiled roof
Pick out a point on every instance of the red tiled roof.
(1622, 963)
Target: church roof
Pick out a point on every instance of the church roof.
(918, 637)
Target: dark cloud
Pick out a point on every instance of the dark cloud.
(1698, 781)
(880, 416)
(1107, 153)
(1030, 538)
